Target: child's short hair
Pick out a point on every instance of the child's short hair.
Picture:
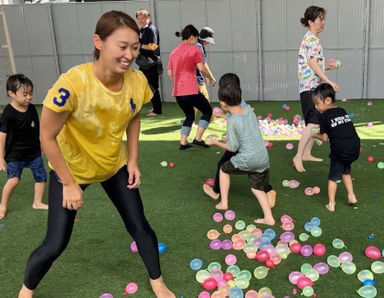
(230, 94)
(229, 77)
(323, 91)
(16, 81)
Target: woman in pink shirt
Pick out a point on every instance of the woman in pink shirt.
(183, 62)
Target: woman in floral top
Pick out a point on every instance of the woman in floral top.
(311, 70)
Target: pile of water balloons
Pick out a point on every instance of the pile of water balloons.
(281, 128)
(310, 191)
(291, 183)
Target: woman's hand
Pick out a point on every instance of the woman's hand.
(334, 86)
(72, 196)
(134, 176)
(3, 165)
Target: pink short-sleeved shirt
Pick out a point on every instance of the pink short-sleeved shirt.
(183, 62)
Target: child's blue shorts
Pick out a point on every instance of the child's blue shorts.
(15, 168)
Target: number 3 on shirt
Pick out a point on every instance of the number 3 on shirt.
(62, 100)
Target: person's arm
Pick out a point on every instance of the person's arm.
(320, 136)
(133, 132)
(217, 143)
(149, 47)
(321, 74)
(206, 72)
(209, 70)
(51, 125)
(3, 164)
(170, 75)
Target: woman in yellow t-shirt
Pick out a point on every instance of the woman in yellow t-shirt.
(84, 118)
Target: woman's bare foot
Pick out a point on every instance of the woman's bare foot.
(160, 289)
(264, 221)
(352, 200)
(271, 198)
(312, 158)
(221, 206)
(26, 293)
(3, 211)
(298, 163)
(41, 206)
(152, 114)
(209, 192)
(330, 207)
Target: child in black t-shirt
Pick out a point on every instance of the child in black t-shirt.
(20, 142)
(337, 127)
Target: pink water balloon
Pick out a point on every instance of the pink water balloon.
(373, 253)
(218, 217)
(294, 277)
(134, 247)
(287, 236)
(345, 257)
(288, 226)
(303, 282)
(319, 249)
(230, 215)
(308, 191)
(230, 260)
(204, 294)
(106, 295)
(296, 248)
(293, 184)
(131, 288)
(286, 218)
(210, 182)
(322, 268)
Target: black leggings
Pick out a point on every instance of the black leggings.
(60, 224)
(187, 104)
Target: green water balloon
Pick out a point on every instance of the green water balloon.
(377, 267)
(333, 261)
(348, 268)
(367, 291)
(364, 274)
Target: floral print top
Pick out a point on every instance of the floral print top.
(310, 48)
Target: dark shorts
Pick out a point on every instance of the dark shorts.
(338, 169)
(15, 168)
(259, 181)
(310, 113)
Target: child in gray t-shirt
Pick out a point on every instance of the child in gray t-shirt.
(252, 158)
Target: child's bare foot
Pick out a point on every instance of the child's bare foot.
(209, 192)
(160, 289)
(298, 163)
(3, 211)
(221, 206)
(352, 200)
(330, 207)
(25, 292)
(312, 158)
(271, 198)
(264, 221)
(41, 206)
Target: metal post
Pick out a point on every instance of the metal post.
(260, 52)
(8, 40)
(367, 18)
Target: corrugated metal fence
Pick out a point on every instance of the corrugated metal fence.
(257, 39)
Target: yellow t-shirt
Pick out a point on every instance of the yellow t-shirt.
(91, 139)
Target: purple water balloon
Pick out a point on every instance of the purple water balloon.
(230, 215)
(322, 268)
(345, 257)
(294, 277)
(306, 250)
(287, 236)
(215, 244)
(106, 295)
(226, 244)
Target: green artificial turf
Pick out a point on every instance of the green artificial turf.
(99, 260)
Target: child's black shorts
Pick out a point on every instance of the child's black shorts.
(310, 113)
(338, 169)
(259, 181)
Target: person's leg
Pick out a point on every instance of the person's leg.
(59, 230)
(204, 91)
(130, 207)
(304, 148)
(264, 204)
(347, 179)
(153, 80)
(332, 187)
(8, 190)
(14, 170)
(307, 155)
(202, 104)
(225, 182)
(226, 157)
(40, 175)
(187, 108)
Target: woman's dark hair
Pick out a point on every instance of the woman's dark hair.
(311, 14)
(229, 77)
(16, 81)
(109, 22)
(187, 32)
(323, 91)
(230, 94)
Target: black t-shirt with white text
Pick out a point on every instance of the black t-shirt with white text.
(343, 138)
(22, 129)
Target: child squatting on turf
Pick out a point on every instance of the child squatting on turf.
(337, 127)
(252, 158)
(20, 142)
(214, 191)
